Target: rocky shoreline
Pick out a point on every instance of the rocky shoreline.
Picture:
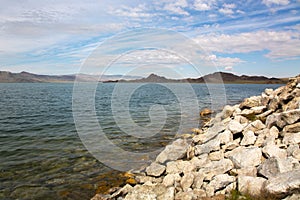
(251, 148)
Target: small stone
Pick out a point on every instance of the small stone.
(249, 138)
(155, 169)
(250, 185)
(235, 127)
(274, 151)
(187, 181)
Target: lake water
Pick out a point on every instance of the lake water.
(41, 154)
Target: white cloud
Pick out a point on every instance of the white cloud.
(139, 11)
(281, 45)
(276, 2)
(223, 61)
(177, 7)
(228, 68)
(227, 9)
(203, 5)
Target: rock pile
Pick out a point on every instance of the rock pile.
(252, 147)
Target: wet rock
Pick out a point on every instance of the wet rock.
(174, 151)
(245, 156)
(221, 181)
(249, 138)
(235, 127)
(274, 151)
(205, 112)
(155, 169)
(250, 185)
(284, 184)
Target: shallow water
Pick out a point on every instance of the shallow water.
(42, 156)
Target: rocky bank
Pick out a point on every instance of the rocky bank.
(252, 147)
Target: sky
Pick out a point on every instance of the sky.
(252, 37)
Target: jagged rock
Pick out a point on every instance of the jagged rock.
(247, 171)
(188, 195)
(293, 197)
(273, 132)
(174, 151)
(291, 116)
(225, 137)
(235, 127)
(273, 166)
(263, 116)
(292, 105)
(245, 156)
(211, 133)
(169, 179)
(155, 169)
(258, 110)
(251, 102)
(250, 185)
(122, 192)
(291, 138)
(255, 126)
(179, 166)
(144, 179)
(212, 145)
(284, 184)
(274, 103)
(249, 138)
(274, 151)
(199, 193)
(186, 181)
(150, 192)
(221, 181)
(242, 120)
(217, 155)
(293, 128)
(275, 120)
(200, 161)
(217, 167)
(198, 180)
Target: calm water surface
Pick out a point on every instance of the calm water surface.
(41, 154)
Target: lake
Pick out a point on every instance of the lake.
(42, 155)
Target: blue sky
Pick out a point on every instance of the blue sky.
(254, 37)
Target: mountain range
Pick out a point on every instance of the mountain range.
(26, 77)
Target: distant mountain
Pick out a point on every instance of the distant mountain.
(26, 77)
(217, 77)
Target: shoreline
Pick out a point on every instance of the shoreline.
(250, 147)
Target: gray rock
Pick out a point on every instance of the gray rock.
(212, 145)
(245, 156)
(273, 166)
(211, 133)
(249, 138)
(274, 151)
(251, 102)
(155, 169)
(174, 151)
(250, 185)
(291, 138)
(284, 184)
(186, 181)
(235, 127)
(221, 181)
